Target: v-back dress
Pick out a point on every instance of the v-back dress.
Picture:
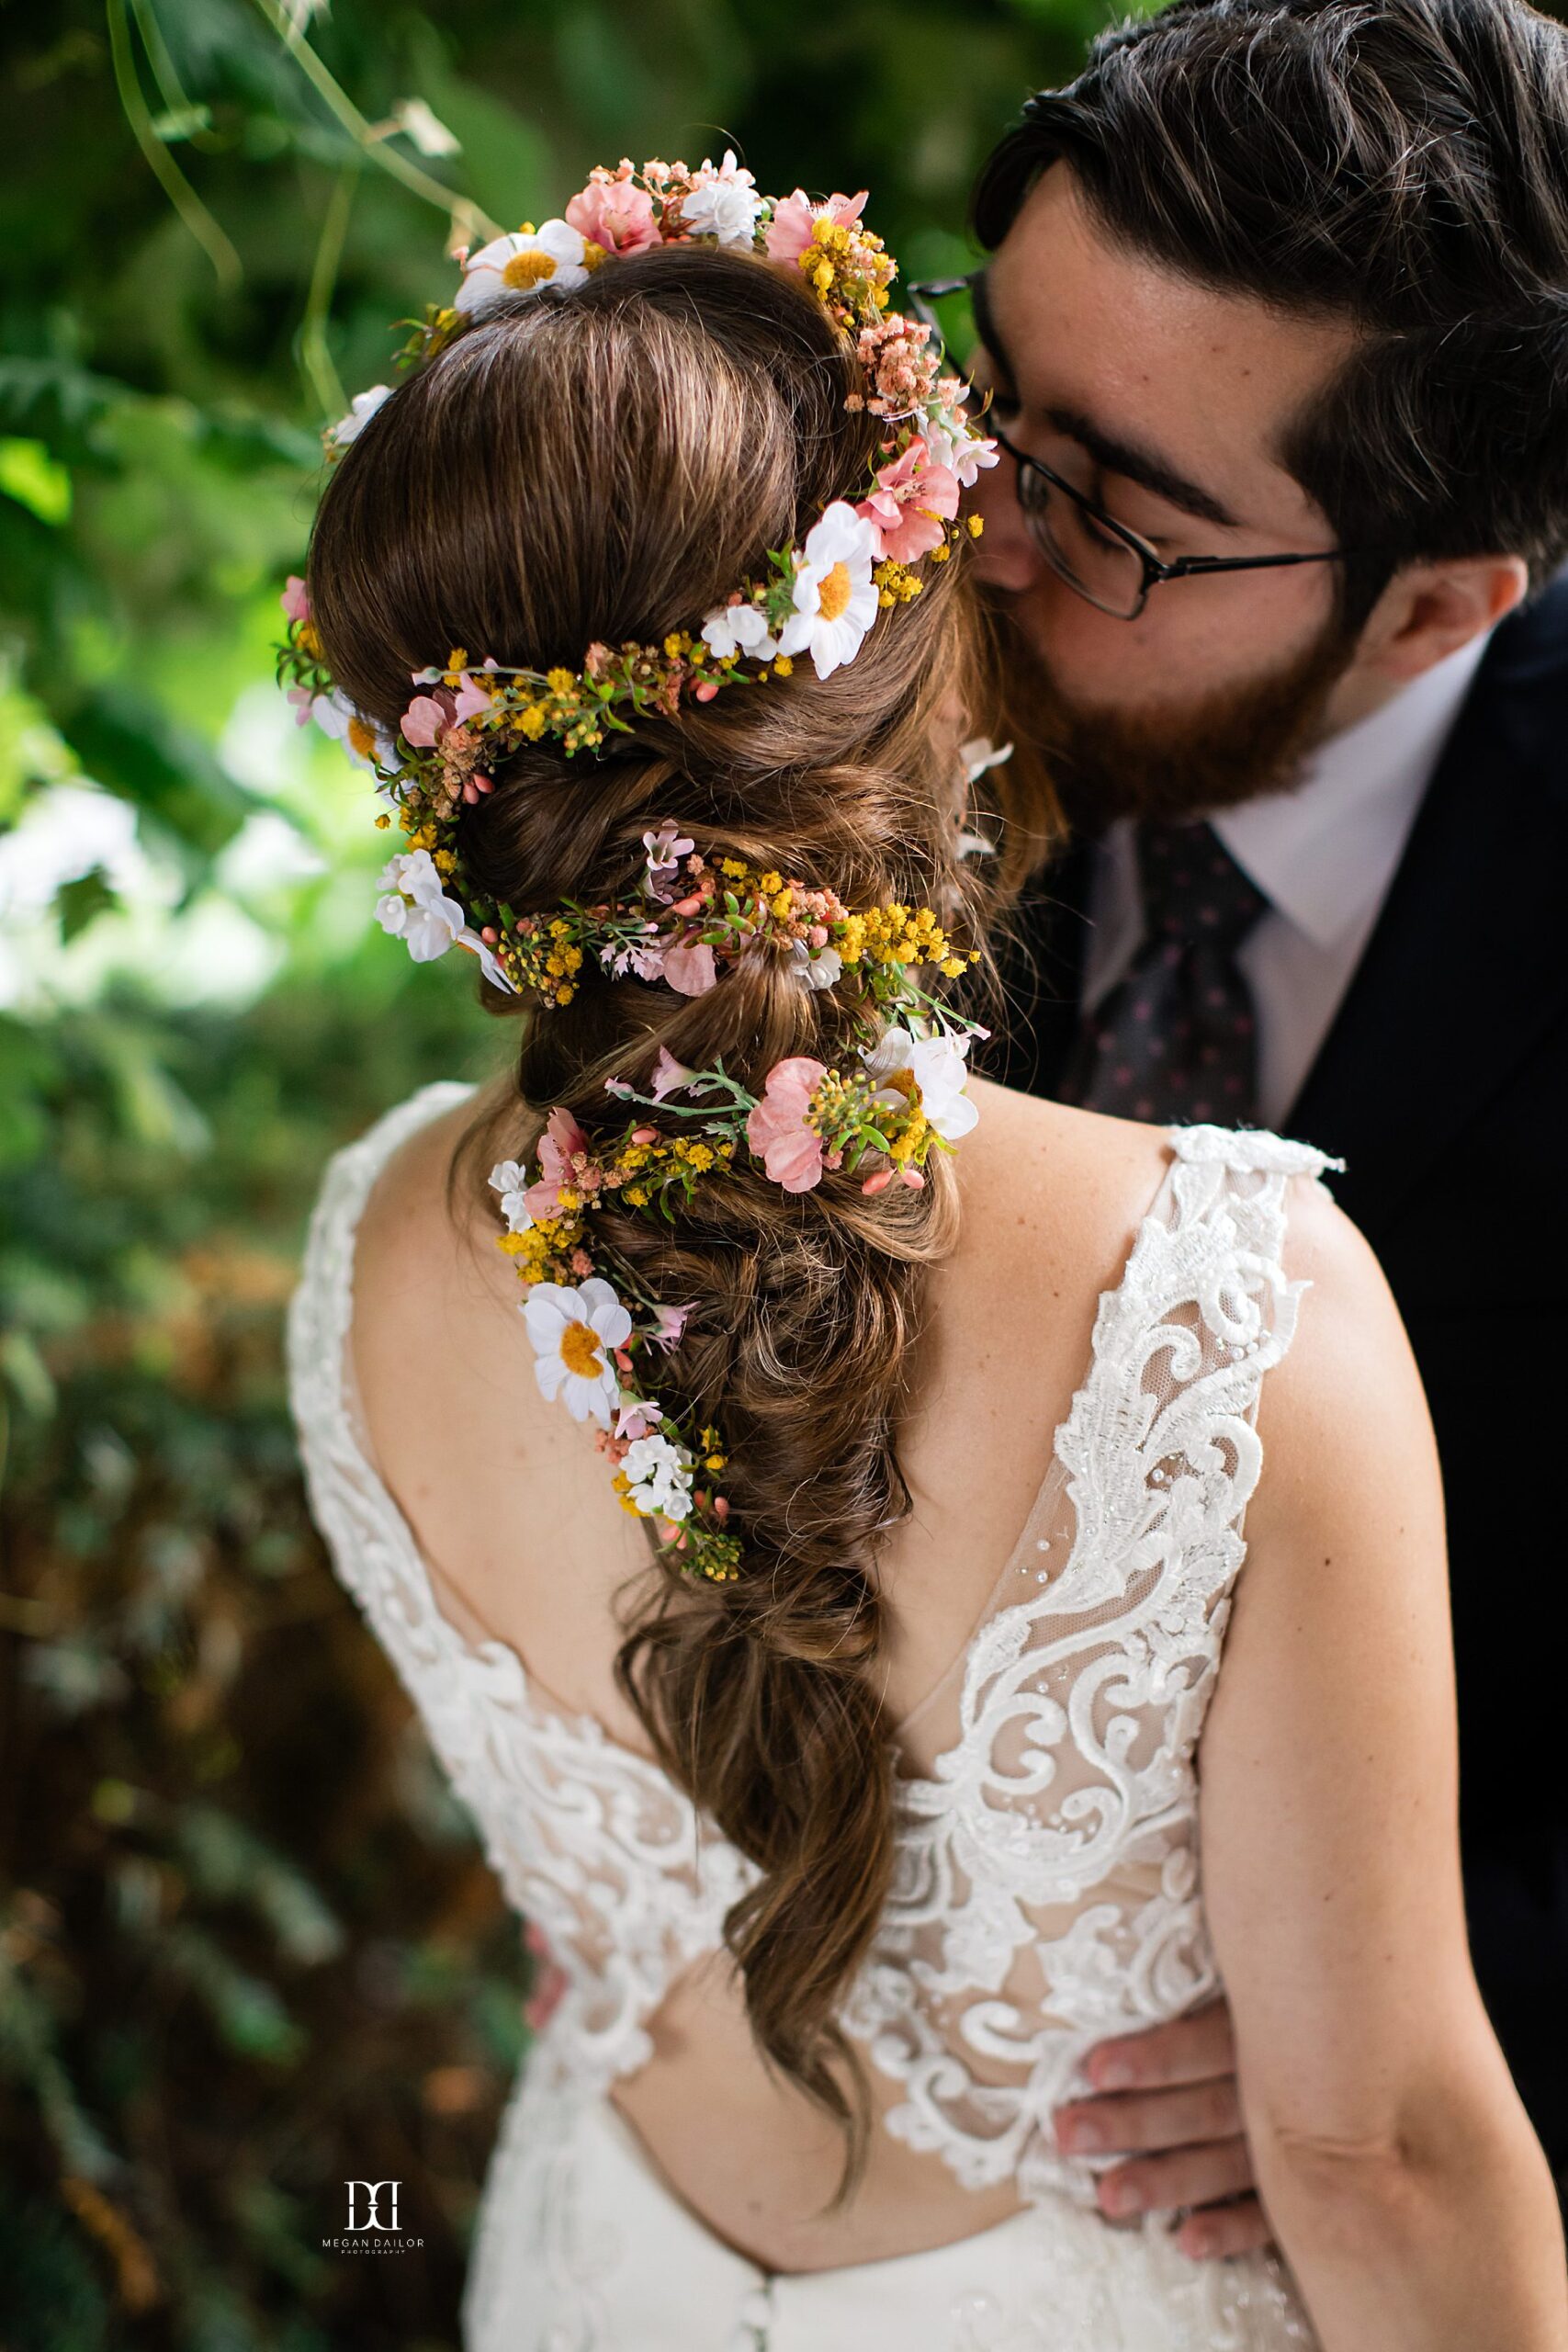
(1046, 1890)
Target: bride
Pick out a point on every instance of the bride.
(836, 1682)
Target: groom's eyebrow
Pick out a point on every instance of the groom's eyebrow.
(1143, 467)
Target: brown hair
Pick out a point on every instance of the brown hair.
(609, 464)
(1399, 163)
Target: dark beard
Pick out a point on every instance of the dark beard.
(1228, 747)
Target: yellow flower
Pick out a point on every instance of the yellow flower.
(976, 524)
(769, 883)
(532, 722)
(734, 867)
(783, 667)
(559, 681)
(308, 642)
(382, 821)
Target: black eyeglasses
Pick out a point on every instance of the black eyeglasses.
(1108, 565)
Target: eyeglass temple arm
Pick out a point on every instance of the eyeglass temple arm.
(1187, 566)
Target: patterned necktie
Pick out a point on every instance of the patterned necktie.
(1176, 1039)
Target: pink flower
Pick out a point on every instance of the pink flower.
(690, 971)
(636, 1418)
(295, 602)
(908, 505)
(665, 849)
(673, 1323)
(471, 701)
(776, 1129)
(562, 1142)
(615, 214)
(426, 718)
(795, 219)
(302, 697)
(669, 1075)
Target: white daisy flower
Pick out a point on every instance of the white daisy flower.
(835, 596)
(511, 1180)
(575, 1333)
(938, 1067)
(367, 745)
(739, 628)
(725, 205)
(361, 408)
(660, 1475)
(521, 263)
(416, 909)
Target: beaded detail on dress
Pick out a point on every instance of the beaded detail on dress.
(1046, 1888)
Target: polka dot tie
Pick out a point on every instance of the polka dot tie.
(1176, 1039)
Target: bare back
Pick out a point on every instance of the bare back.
(525, 1541)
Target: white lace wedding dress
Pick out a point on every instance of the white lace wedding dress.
(1046, 1890)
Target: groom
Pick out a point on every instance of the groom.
(1276, 321)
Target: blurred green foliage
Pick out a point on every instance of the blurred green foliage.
(248, 1950)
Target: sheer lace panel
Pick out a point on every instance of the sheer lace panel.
(1045, 1889)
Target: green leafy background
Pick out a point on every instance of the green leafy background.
(248, 1950)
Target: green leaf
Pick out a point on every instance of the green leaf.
(57, 404)
(34, 479)
(181, 122)
(82, 901)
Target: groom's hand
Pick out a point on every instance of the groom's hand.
(1168, 2097)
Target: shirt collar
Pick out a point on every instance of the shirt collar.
(1324, 853)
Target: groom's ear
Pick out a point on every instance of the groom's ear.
(1430, 609)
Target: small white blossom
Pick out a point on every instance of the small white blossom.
(724, 204)
(824, 969)
(739, 628)
(429, 135)
(361, 408)
(660, 1475)
(510, 1179)
(980, 753)
(416, 909)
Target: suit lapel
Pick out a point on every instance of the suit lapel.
(1464, 967)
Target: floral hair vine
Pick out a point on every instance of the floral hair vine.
(822, 598)
(691, 919)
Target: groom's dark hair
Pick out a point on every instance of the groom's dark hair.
(1399, 163)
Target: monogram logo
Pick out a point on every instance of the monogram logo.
(373, 2218)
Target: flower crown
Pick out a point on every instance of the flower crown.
(690, 920)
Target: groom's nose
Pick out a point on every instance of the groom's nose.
(1006, 556)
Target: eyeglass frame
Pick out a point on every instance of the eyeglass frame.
(1156, 570)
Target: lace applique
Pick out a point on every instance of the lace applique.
(587, 1839)
(1046, 1888)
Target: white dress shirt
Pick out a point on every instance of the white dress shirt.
(1324, 856)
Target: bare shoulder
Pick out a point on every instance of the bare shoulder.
(1054, 1188)
(436, 1325)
